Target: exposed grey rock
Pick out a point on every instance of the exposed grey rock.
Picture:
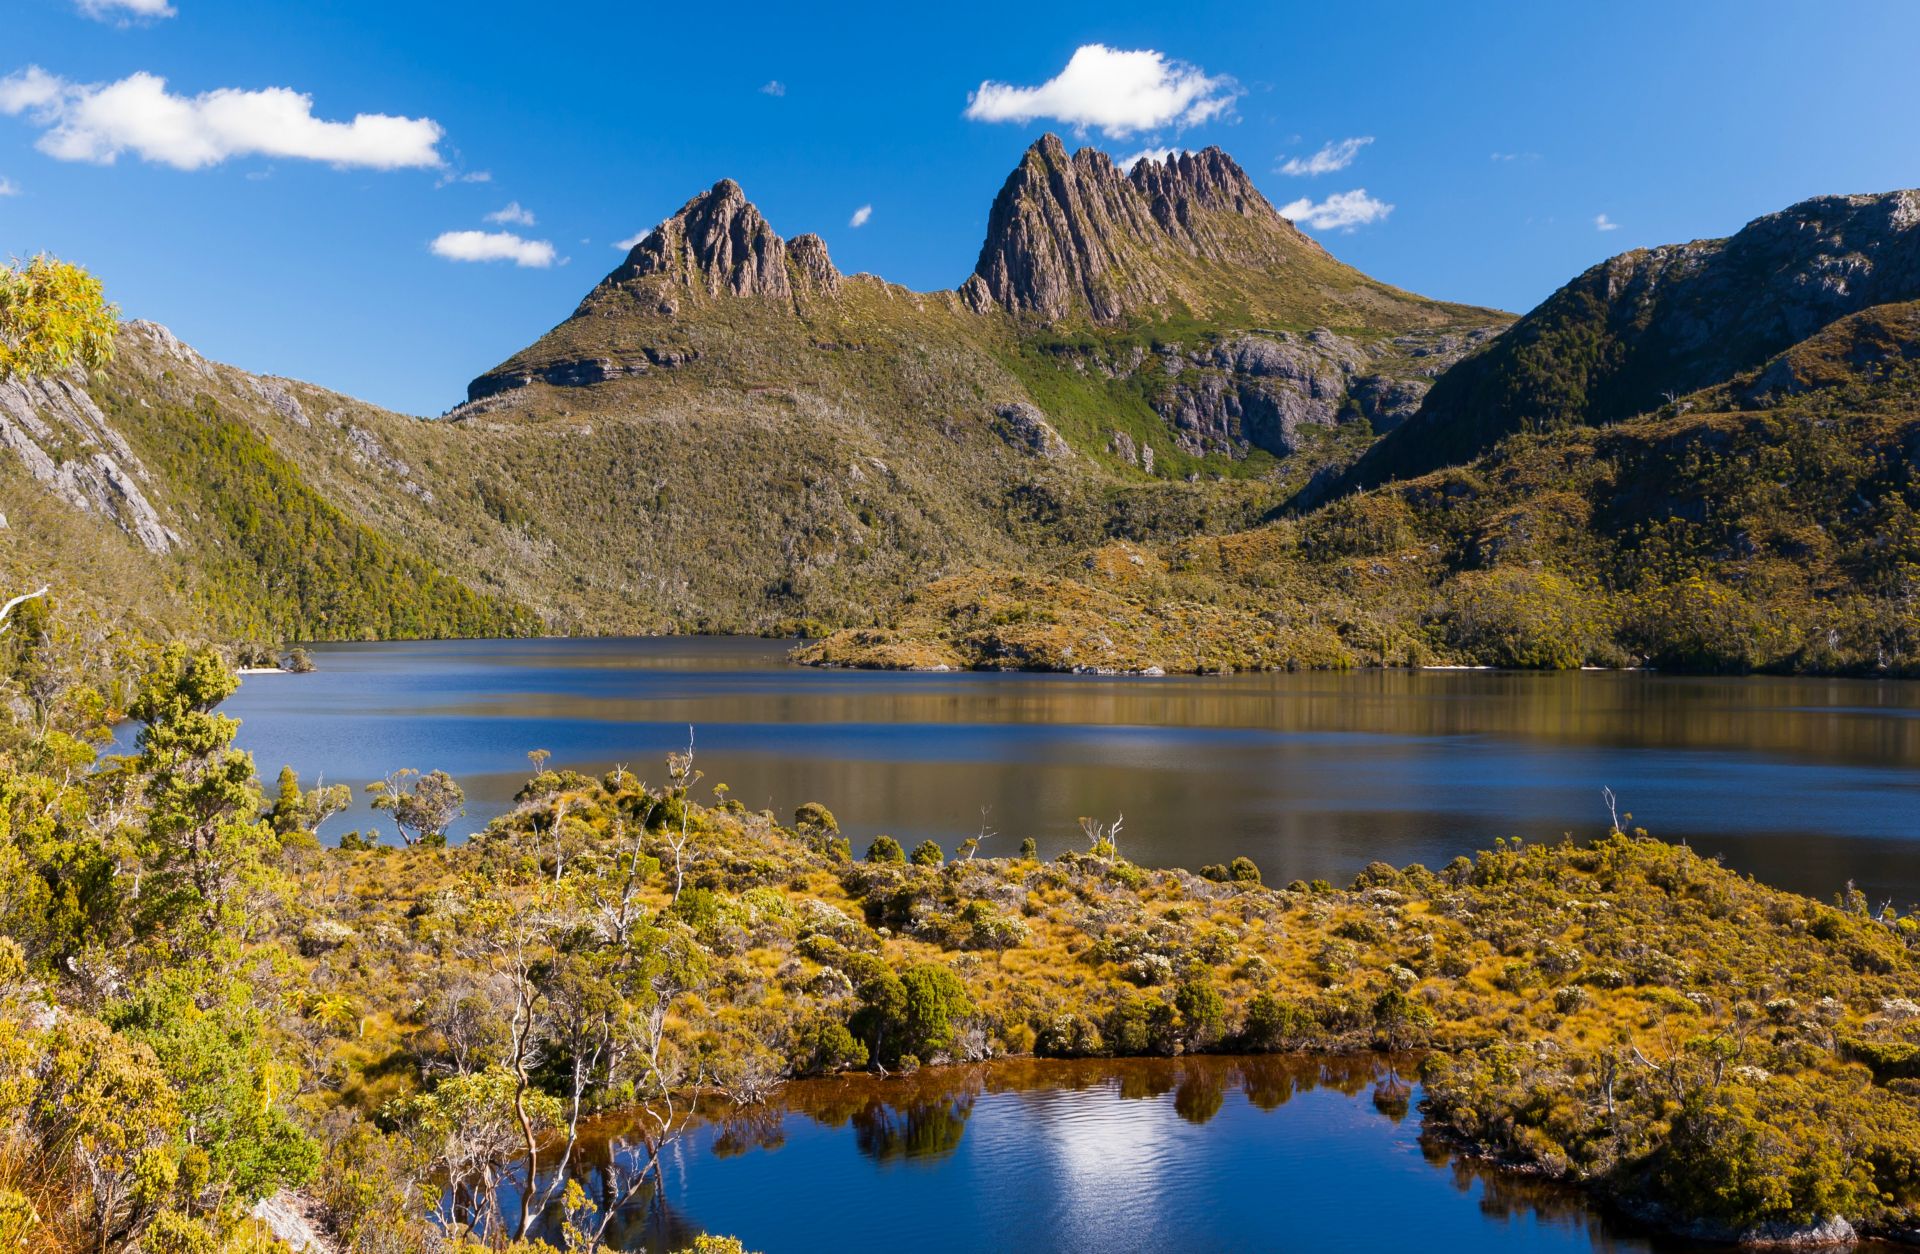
(812, 271)
(367, 450)
(716, 243)
(1025, 426)
(283, 401)
(1075, 232)
(286, 1216)
(66, 444)
(163, 342)
(1260, 390)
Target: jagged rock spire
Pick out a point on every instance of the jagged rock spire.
(1075, 233)
(719, 243)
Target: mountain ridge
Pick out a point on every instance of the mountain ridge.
(1658, 322)
(729, 434)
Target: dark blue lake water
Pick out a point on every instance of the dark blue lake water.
(1805, 783)
(1272, 1153)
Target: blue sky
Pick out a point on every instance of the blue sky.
(303, 245)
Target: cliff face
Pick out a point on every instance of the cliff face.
(1073, 234)
(718, 243)
(1664, 321)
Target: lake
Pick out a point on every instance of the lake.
(1805, 783)
(1107, 1157)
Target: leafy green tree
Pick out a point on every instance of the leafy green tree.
(1203, 1011)
(928, 853)
(423, 806)
(233, 1093)
(935, 997)
(204, 844)
(885, 849)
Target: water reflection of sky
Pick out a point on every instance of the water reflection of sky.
(1806, 783)
(1139, 1155)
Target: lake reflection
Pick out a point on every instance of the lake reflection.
(1803, 782)
(1271, 1153)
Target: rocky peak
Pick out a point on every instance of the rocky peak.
(811, 271)
(720, 244)
(1208, 179)
(1073, 233)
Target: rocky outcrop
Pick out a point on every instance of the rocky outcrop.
(1024, 426)
(1662, 322)
(53, 426)
(717, 243)
(1260, 390)
(717, 246)
(810, 270)
(1075, 234)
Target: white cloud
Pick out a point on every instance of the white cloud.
(774, 87)
(860, 216)
(98, 121)
(472, 176)
(632, 241)
(1121, 93)
(122, 10)
(1148, 154)
(1513, 156)
(494, 246)
(1341, 211)
(1336, 155)
(8, 187)
(1603, 223)
(512, 215)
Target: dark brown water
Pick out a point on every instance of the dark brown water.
(1805, 783)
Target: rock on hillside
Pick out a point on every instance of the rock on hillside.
(67, 445)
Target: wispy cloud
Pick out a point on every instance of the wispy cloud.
(773, 87)
(8, 187)
(1342, 211)
(97, 122)
(536, 254)
(1602, 222)
(860, 216)
(1118, 92)
(632, 241)
(1147, 154)
(1333, 156)
(512, 215)
(124, 10)
(1513, 156)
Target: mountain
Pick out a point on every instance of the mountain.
(1188, 235)
(729, 434)
(1658, 323)
(1771, 523)
(1077, 458)
(181, 496)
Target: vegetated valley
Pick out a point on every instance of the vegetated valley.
(1158, 427)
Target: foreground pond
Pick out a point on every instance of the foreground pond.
(1193, 1154)
(1805, 783)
